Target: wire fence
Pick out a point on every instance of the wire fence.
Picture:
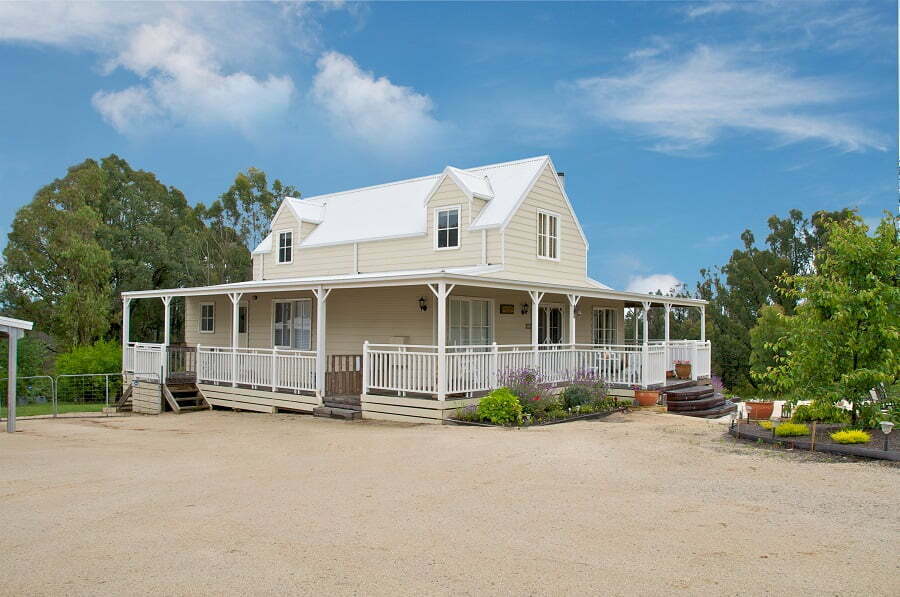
(45, 395)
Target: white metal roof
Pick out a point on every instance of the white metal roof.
(396, 210)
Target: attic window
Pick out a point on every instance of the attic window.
(447, 224)
(548, 235)
(285, 246)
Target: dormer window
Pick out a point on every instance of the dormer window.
(285, 246)
(548, 235)
(446, 221)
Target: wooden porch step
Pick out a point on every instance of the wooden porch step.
(711, 413)
(704, 403)
(337, 413)
(348, 402)
(689, 393)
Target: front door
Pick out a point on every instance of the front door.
(550, 324)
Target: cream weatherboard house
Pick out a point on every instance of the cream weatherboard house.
(415, 298)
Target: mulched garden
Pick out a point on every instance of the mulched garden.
(819, 440)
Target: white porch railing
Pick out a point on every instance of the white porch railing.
(143, 358)
(257, 367)
(413, 368)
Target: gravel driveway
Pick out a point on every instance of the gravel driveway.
(239, 503)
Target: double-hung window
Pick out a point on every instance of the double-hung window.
(207, 318)
(446, 223)
(547, 235)
(285, 246)
(603, 330)
(470, 322)
(292, 324)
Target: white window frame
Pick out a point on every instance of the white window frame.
(278, 247)
(293, 329)
(597, 331)
(201, 318)
(469, 300)
(437, 211)
(543, 240)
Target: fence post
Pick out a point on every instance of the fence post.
(274, 368)
(645, 365)
(365, 368)
(694, 361)
(495, 374)
(198, 371)
(106, 388)
(53, 387)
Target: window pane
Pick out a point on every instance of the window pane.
(453, 239)
(442, 238)
(242, 320)
(442, 219)
(453, 217)
(302, 324)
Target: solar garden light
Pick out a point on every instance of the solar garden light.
(775, 422)
(886, 427)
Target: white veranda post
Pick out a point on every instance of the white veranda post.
(441, 290)
(126, 331)
(637, 319)
(535, 340)
(321, 295)
(235, 316)
(573, 303)
(668, 308)
(703, 323)
(645, 349)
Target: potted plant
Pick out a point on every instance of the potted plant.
(683, 369)
(758, 408)
(645, 397)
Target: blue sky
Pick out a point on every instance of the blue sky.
(678, 124)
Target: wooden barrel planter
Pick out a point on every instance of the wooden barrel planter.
(759, 410)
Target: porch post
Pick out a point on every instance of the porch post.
(703, 323)
(166, 319)
(440, 295)
(235, 309)
(668, 307)
(321, 294)
(535, 305)
(13, 336)
(645, 348)
(126, 332)
(573, 302)
(637, 318)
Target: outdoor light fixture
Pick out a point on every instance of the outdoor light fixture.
(524, 308)
(423, 305)
(886, 427)
(775, 422)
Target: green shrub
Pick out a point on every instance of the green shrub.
(500, 407)
(851, 436)
(791, 430)
(821, 412)
(104, 356)
(765, 424)
(574, 396)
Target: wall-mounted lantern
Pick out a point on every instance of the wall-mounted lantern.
(423, 304)
(524, 308)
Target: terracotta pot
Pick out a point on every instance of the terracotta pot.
(670, 374)
(760, 410)
(646, 397)
(683, 371)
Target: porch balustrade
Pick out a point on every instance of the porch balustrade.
(413, 369)
(143, 358)
(257, 367)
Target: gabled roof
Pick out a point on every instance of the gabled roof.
(395, 209)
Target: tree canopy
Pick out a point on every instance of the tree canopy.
(105, 228)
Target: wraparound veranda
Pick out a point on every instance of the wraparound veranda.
(408, 344)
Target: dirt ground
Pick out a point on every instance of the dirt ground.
(239, 503)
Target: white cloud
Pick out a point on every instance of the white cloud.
(194, 62)
(185, 83)
(687, 103)
(375, 110)
(652, 283)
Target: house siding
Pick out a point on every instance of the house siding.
(382, 313)
(520, 244)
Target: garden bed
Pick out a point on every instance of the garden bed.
(874, 448)
(584, 417)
